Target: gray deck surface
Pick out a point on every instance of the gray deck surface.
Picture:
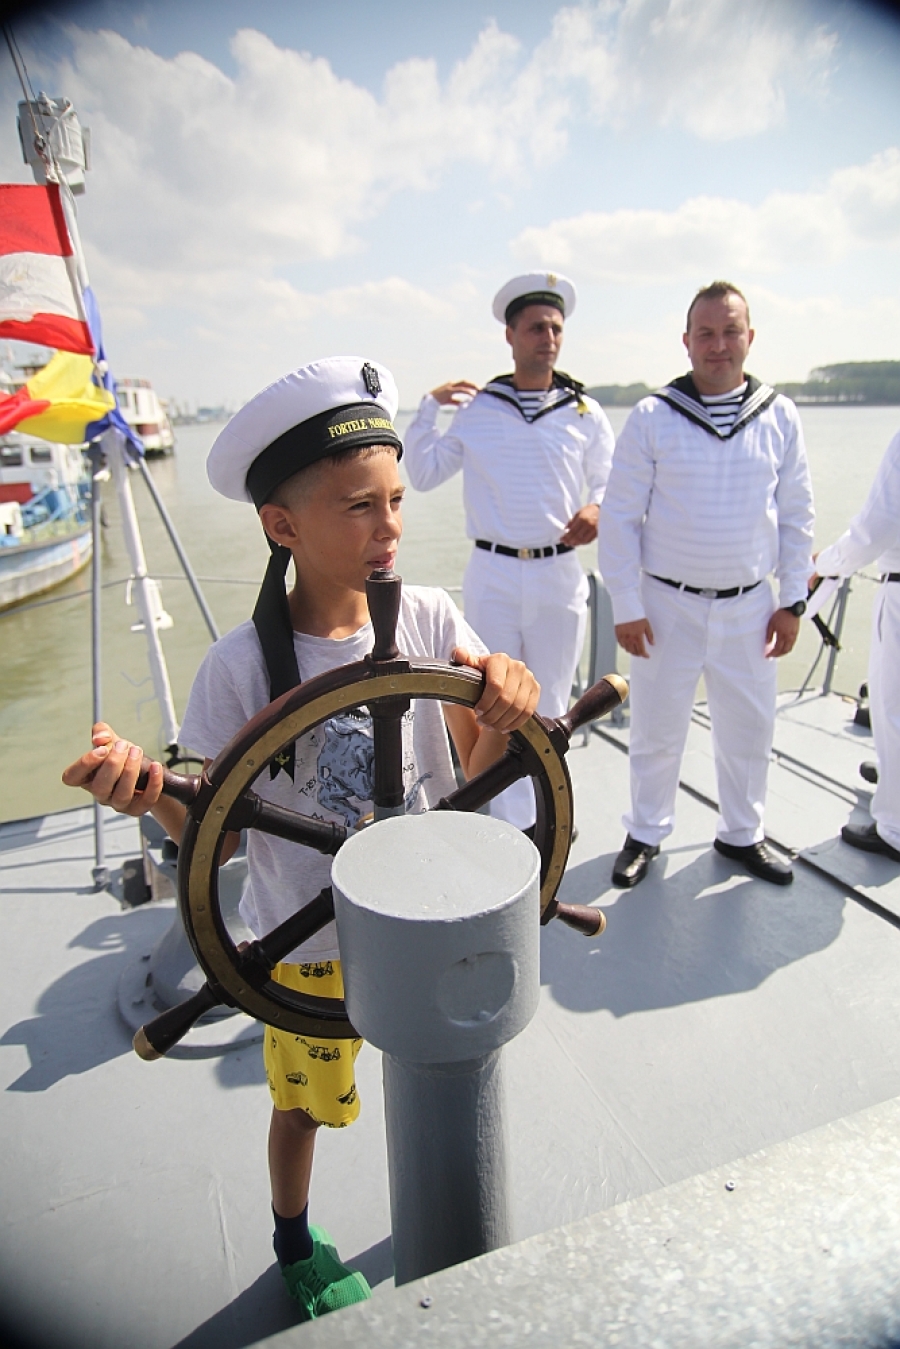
(717, 1016)
(797, 1245)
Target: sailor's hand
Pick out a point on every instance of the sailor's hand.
(630, 637)
(456, 393)
(110, 770)
(582, 528)
(814, 579)
(510, 693)
(781, 633)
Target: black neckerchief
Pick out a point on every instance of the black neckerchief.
(681, 394)
(272, 620)
(570, 390)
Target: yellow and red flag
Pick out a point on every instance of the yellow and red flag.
(61, 402)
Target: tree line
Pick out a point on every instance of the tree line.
(859, 382)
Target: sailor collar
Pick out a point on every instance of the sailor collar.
(682, 395)
(563, 391)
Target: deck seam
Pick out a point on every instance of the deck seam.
(850, 891)
(626, 1133)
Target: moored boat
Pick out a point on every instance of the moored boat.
(45, 528)
(146, 415)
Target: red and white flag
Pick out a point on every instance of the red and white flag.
(40, 296)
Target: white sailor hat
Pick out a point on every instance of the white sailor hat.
(534, 288)
(341, 402)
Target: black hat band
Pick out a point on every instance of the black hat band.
(535, 297)
(351, 427)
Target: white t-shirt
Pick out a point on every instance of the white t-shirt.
(333, 772)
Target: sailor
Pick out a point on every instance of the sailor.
(528, 444)
(708, 497)
(874, 536)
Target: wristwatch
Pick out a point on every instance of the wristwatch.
(798, 609)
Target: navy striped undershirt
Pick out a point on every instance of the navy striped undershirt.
(534, 401)
(723, 408)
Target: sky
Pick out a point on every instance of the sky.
(274, 182)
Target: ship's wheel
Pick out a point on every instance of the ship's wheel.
(222, 800)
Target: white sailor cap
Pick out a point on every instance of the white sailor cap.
(534, 288)
(341, 402)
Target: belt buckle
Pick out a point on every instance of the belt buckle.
(709, 594)
(525, 554)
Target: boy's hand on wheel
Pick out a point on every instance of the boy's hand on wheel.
(110, 770)
(510, 694)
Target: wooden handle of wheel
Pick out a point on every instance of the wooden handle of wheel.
(182, 786)
(585, 919)
(599, 699)
(383, 592)
(158, 1036)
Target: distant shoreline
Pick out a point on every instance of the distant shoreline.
(848, 384)
(622, 398)
(621, 395)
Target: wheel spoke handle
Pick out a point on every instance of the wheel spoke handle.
(383, 592)
(599, 699)
(184, 787)
(584, 918)
(251, 812)
(257, 962)
(158, 1036)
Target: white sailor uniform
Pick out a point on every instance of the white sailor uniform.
(874, 536)
(522, 483)
(715, 511)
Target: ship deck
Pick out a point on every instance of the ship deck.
(717, 1019)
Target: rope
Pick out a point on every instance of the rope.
(41, 140)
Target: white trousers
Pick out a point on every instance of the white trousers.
(884, 704)
(723, 641)
(535, 610)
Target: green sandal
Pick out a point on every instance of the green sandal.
(321, 1284)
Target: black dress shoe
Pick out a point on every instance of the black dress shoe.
(868, 771)
(758, 860)
(632, 862)
(867, 837)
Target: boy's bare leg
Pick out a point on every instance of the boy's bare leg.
(292, 1141)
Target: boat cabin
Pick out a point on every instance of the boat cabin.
(145, 414)
(28, 465)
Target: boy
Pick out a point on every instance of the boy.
(317, 454)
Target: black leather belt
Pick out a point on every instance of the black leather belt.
(706, 591)
(525, 553)
(891, 576)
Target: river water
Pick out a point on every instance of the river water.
(45, 654)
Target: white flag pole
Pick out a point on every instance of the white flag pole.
(144, 589)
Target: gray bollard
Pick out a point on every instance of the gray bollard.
(438, 920)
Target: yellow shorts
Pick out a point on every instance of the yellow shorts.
(312, 1074)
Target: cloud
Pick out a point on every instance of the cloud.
(286, 161)
(214, 195)
(717, 69)
(859, 205)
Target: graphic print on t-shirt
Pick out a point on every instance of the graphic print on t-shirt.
(335, 767)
